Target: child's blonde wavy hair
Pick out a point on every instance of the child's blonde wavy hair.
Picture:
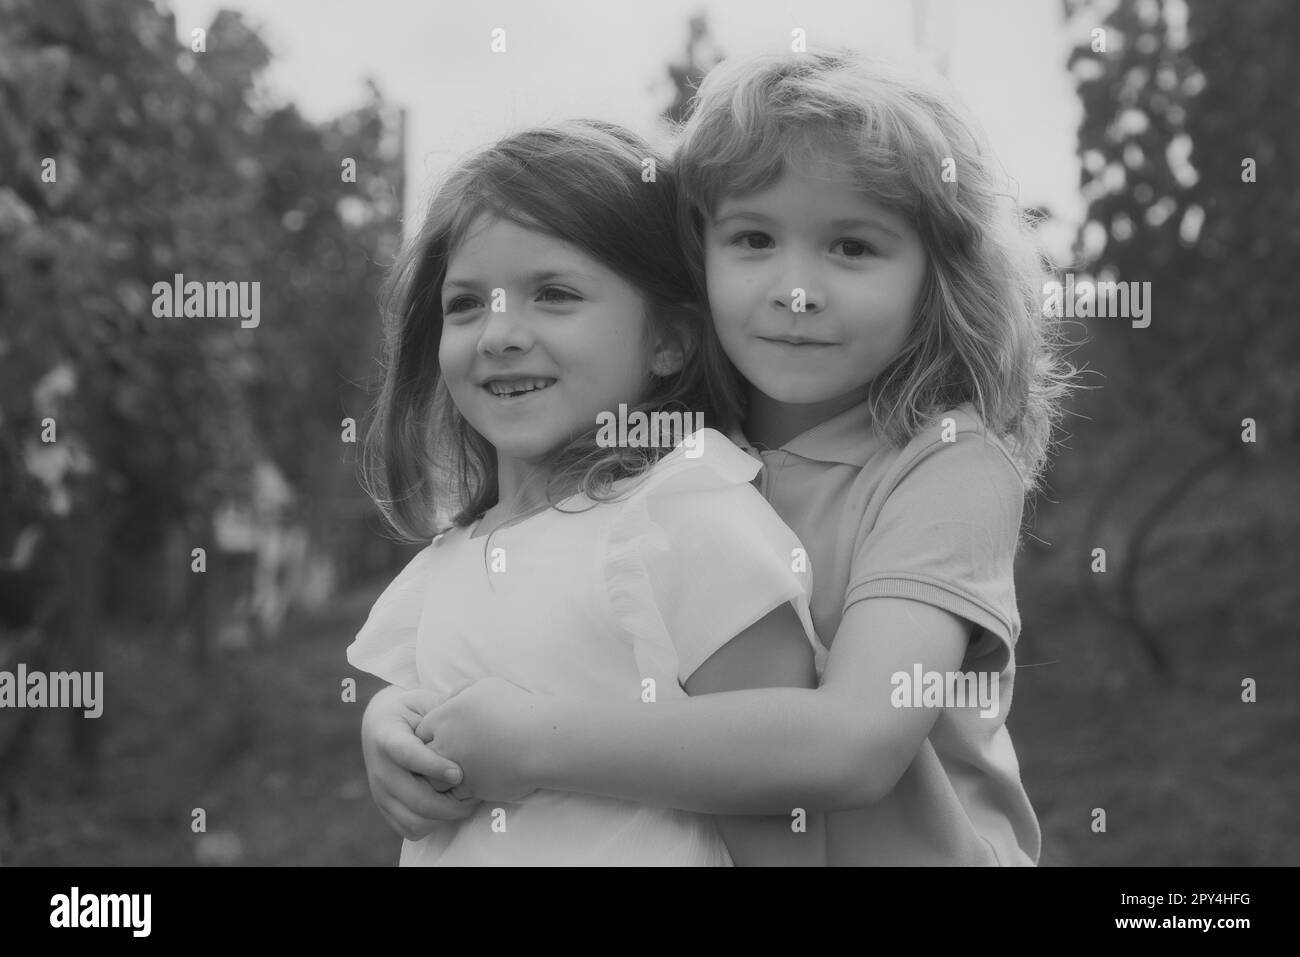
(979, 333)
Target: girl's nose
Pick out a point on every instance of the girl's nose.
(797, 288)
(503, 333)
(797, 298)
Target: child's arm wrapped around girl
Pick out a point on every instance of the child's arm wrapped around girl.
(409, 782)
(699, 578)
(924, 580)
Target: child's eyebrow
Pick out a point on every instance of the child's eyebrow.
(835, 224)
(742, 214)
(865, 224)
(532, 279)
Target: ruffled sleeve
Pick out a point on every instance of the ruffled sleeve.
(696, 555)
(385, 645)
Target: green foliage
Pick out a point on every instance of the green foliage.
(1171, 110)
(171, 161)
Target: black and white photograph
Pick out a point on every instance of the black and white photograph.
(829, 433)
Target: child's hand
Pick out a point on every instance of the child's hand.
(485, 728)
(406, 775)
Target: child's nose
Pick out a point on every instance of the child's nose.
(502, 333)
(799, 299)
(797, 287)
(799, 294)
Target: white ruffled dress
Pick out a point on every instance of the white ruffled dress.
(587, 603)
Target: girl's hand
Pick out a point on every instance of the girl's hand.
(406, 776)
(485, 728)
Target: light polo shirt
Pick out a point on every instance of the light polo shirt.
(938, 522)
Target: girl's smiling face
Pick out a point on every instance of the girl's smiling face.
(572, 340)
(861, 268)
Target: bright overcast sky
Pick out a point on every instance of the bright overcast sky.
(597, 58)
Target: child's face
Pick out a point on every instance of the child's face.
(861, 268)
(571, 329)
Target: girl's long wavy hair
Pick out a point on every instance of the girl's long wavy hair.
(979, 334)
(581, 182)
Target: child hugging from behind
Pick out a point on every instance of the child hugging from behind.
(876, 291)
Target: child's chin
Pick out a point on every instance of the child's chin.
(793, 392)
(527, 451)
(519, 440)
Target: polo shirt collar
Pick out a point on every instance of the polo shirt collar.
(847, 439)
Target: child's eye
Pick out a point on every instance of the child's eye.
(853, 248)
(753, 241)
(556, 294)
(459, 304)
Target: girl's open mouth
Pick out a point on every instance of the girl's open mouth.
(515, 389)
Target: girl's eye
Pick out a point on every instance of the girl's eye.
(753, 241)
(853, 248)
(460, 304)
(556, 294)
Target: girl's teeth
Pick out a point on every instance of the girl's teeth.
(519, 387)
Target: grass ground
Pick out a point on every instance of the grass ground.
(269, 751)
(1186, 773)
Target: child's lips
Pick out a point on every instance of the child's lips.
(515, 389)
(796, 342)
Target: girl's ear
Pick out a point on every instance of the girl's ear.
(667, 361)
(672, 346)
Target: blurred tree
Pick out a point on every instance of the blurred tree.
(1190, 150)
(1183, 96)
(702, 55)
(126, 158)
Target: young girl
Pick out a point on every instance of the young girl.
(546, 290)
(878, 292)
